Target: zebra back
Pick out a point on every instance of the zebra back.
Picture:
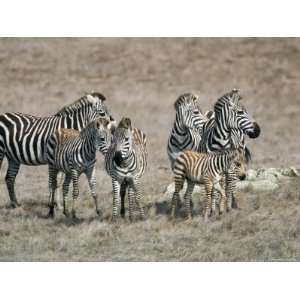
(23, 138)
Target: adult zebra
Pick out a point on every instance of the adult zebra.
(226, 129)
(23, 138)
(126, 161)
(187, 129)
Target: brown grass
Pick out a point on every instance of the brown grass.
(141, 78)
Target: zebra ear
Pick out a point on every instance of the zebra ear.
(112, 126)
(92, 99)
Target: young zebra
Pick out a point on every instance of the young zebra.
(187, 130)
(126, 161)
(209, 169)
(74, 153)
(23, 138)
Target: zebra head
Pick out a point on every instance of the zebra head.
(240, 163)
(246, 123)
(103, 129)
(232, 115)
(99, 108)
(188, 113)
(122, 141)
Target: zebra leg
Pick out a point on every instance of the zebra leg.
(66, 186)
(231, 181)
(176, 197)
(208, 188)
(138, 197)
(52, 187)
(215, 196)
(123, 194)
(131, 199)
(188, 199)
(91, 177)
(221, 189)
(75, 177)
(116, 199)
(12, 172)
(59, 190)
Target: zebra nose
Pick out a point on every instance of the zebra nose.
(118, 158)
(242, 177)
(256, 131)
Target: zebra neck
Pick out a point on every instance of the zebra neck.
(219, 136)
(129, 160)
(223, 162)
(78, 119)
(181, 132)
(89, 144)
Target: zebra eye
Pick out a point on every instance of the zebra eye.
(196, 111)
(237, 164)
(102, 139)
(102, 113)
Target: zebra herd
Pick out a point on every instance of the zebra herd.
(202, 148)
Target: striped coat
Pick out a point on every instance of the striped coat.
(196, 168)
(126, 162)
(23, 138)
(74, 153)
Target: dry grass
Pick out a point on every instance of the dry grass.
(141, 79)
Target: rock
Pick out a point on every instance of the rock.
(257, 186)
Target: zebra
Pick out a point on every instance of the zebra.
(126, 162)
(207, 168)
(227, 128)
(187, 130)
(74, 153)
(23, 138)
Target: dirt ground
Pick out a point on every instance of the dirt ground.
(141, 79)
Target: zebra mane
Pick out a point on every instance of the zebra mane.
(233, 97)
(81, 102)
(125, 123)
(184, 98)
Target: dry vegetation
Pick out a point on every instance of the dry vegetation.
(141, 79)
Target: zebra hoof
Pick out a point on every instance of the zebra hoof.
(99, 212)
(51, 213)
(14, 205)
(234, 204)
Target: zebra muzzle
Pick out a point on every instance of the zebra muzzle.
(256, 131)
(242, 177)
(118, 158)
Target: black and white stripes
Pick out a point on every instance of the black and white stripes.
(126, 161)
(209, 169)
(74, 153)
(187, 130)
(23, 138)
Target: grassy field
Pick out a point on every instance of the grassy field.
(142, 78)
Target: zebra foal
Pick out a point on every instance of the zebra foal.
(209, 169)
(74, 153)
(126, 161)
